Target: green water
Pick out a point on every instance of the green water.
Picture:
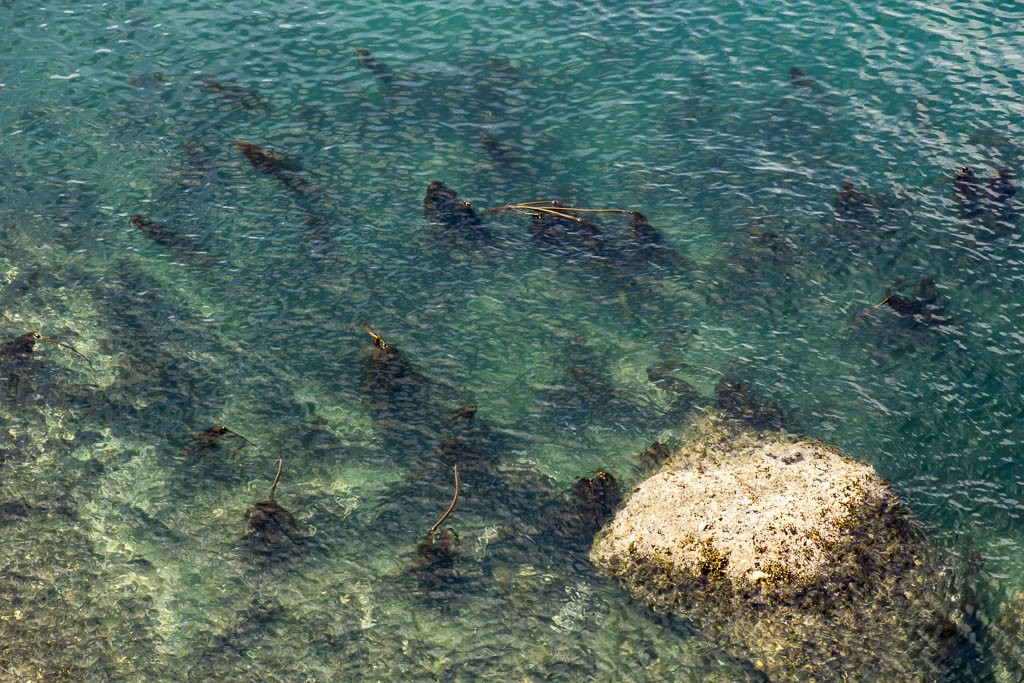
(125, 561)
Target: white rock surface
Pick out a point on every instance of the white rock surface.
(770, 509)
(791, 556)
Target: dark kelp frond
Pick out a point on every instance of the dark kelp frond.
(271, 530)
(21, 347)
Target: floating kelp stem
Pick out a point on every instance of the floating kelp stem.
(377, 339)
(271, 529)
(549, 207)
(553, 204)
(277, 477)
(213, 434)
(868, 312)
(208, 439)
(597, 210)
(233, 433)
(23, 345)
(709, 369)
(889, 294)
(69, 347)
(532, 211)
(451, 507)
(943, 178)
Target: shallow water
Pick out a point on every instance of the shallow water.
(125, 560)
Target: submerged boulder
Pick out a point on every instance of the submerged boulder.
(1009, 641)
(787, 553)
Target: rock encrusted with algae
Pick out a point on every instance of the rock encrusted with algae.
(792, 555)
(1009, 641)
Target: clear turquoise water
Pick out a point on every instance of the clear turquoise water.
(124, 563)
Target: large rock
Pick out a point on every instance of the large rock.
(1009, 641)
(791, 555)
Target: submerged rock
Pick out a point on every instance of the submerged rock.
(276, 165)
(1009, 641)
(653, 457)
(443, 208)
(787, 553)
(741, 401)
(966, 191)
(1001, 210)
(236, 95)
(567, 236)
(851, 205)
(179, 243)
(593, 501)
(925, 308)
(378, 69)
(19, 349)
(435, 565)
(270, 529)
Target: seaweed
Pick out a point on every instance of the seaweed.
(744, 403)
(454, 216)
(923, 309)
(271, 531)
(276, 165)
(378, 69)
(241, 96)
(19, 349)
(437, 552)
(179, 244)
(208, 439)
(16, 360)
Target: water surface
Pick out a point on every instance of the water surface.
(125, 561)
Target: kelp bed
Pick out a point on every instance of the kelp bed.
(126, 523)
(212, 243)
